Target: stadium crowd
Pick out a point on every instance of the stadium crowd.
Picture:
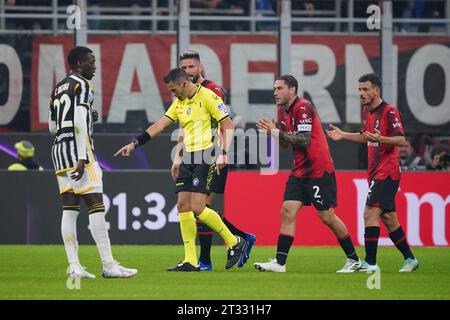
(434, 9)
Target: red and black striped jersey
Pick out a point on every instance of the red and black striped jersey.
(302, 117)
(216, 88)
(383, 160)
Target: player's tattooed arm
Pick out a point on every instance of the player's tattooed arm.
(298, 139)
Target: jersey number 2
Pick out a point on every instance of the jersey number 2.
(316, 194)
(62, 105)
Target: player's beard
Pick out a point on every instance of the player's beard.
(366, 102)
(194, 79)
(282, 101)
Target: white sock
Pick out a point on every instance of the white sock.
(69, 234)
(100, 234)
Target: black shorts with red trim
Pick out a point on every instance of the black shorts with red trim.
(321, 192)
(382, 194)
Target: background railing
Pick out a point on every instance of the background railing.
(255, 16)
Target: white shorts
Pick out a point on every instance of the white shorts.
(91, 182)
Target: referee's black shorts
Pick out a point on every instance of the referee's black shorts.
(382, 194)
(196, 170)
(321, 192)
(216, 183)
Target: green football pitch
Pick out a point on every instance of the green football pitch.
(38, 272)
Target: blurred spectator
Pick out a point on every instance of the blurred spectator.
(420, 9)
(266, 5)
(28, 24)
(265, 8)
(25, 153)
(130, 7)
(440, 158)
(425, 146)
(206, 7)
(236, 4)
(209, 4)
(220, 8)
(408, 158)
(242, 8)
(433, 10)
(303, 6)
(410, 9)
(319, 9)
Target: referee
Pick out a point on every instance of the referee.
(193, 108)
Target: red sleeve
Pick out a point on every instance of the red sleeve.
(394, 122)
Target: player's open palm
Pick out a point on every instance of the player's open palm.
(265, 125)
(335, 134)
(221, 162)
(126, 151)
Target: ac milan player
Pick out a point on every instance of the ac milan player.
(312, 179)
(382, 130)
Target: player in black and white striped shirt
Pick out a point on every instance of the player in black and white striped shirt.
(72, 91)
(78, 173)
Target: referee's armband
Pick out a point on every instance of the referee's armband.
(141, 139)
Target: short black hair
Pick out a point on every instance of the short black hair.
(176, 75)
(289, 80)
(372, 77)
(190, 54)
(77, 54)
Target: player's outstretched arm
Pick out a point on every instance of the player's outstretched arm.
(337, 134)
(299, 139)
(377, 137)
(143, 138)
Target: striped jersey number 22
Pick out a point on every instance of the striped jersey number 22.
(62, 105)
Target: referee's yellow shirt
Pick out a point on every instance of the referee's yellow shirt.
(194, 115)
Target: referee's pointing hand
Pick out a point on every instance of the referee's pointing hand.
(126, 151)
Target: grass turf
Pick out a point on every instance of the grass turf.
(38, 272)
